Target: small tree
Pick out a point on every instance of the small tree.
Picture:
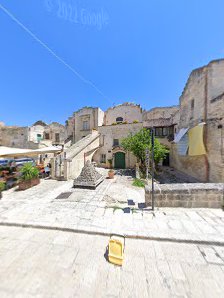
(139, 142)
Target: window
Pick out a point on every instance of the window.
(158, 131)
(192, 104)
(57, 137)
(47, 136)
(103, 158)
(165, 131)
(85, 125)
(116, 142)
(119, 119)
(39, 137)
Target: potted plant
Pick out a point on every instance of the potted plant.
(111, 174)
(2, 187)
(110, 161)
(29, 176)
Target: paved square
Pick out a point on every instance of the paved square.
(114, 207)
(40, 263)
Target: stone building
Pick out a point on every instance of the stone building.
(47, 134)
(117, 123)
(202, 100)
(36, 136)
(164, 120)
(83, 122)
(123, 113)
(36, 132)
(13, 136)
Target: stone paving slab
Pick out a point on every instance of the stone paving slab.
(106, 210)
(40, 263)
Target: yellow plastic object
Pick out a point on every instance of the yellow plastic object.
(116, 250)
(196, 143)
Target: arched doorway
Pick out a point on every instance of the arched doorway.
(119, 160)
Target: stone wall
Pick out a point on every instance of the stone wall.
(93, 116)
(128, 111)
(12, 136)
(192, 195)
(54, 129)
(203, 100)
(160, 113)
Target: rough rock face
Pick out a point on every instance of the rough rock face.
(89, 177)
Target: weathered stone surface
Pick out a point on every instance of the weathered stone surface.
(89, 177)
(196, 195)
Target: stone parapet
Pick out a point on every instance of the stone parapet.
(190, 195)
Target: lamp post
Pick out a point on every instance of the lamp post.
(152, 157)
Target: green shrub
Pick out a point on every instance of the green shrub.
(138, 183)
(139, 142)
(2, 185)
(28, 172)
(114, 123)
(135, 121)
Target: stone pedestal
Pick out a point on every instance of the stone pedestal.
(89, 177)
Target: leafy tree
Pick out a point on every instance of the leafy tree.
(139, 142)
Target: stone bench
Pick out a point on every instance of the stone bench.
(187, 195)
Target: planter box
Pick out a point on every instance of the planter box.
(29, 183)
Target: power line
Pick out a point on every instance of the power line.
(52, 52)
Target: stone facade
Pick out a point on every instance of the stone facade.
(165, 121)
(110, 140)
(83, 122)
(191, 195)
(203, 101)
(115, 124)
(127, 113)
(17, 137)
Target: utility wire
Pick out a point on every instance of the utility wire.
(51, 51)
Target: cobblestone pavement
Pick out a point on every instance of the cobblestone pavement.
(41, 263)
(114, 207)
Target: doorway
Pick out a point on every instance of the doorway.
(119, 160)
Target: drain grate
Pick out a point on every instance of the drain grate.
(63, 195)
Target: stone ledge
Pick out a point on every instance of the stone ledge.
(192, 195)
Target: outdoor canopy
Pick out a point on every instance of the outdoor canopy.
(8, 151)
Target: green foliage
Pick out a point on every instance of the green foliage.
(138, 183)
(135, 121)
(110, 161)
(2, 186)
(28, 172)
(139, 142)
(114, 123)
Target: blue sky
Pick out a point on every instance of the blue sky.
(141, 51)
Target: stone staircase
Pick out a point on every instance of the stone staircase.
(72, 160)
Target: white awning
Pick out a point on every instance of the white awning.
(8, 151)
(180, 134)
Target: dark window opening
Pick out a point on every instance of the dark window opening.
(57, 137)
(103, 158)
(116, 142)
(47, 136)
(119, 119)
